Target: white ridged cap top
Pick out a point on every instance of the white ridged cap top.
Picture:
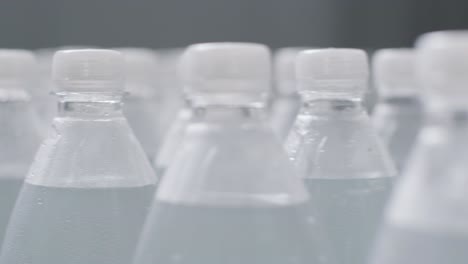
(332, 72)
(141, 67)
(394, 72)
(226, 73)
(442, 66)
(88, 70)
(17, 66)
(284, 69)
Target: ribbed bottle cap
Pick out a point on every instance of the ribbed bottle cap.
(16, 67)
(332, 72)
(442, 66)
(226, 73)
(141, 69)
(394, 72)
(88, 70)
(284, 69)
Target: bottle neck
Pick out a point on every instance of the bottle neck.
(450, 118)
(90, 105)
(218, 113)
(13, 92)
(329, 107)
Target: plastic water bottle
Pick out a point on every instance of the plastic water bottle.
(176, 107)
(398, 115)
(427, 220)
(171, 85)
(20, 128)
(87, 193)
(143, 106)
(230, 194)
(370, 96)
(286, 100)
(43, 99)
(336, 151)
(172, 141)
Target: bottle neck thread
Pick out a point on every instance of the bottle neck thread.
(322, 106)
(90, 105)
(228, 113)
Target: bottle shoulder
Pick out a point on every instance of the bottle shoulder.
(91, 153)
(431, 194)
(231, 164)
(334, 146)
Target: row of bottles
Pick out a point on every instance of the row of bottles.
(303, 176)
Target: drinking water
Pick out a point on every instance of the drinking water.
(337, 153)
(87, 193)
(350, 210)
(229, 194)
(73, 225)
(426, 221)
(398, 115)
(20, 131)
(212, 234)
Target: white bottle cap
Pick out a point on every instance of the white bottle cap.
(16, 67)
(88, 70)
(226, 73)
(442, 66)
(284, 69)
(141, 70)
(332, 72)
(394, 72)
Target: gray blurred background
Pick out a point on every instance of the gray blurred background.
(168, 23)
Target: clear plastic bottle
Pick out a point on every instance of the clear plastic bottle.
(398, 115)
(427, 220)
(370, 97)
(19, 127)
(171, 85)
(171, 144)
(88, 191)
(143, 103)
(230, 194)
(338, 154)
(43, 99)
(286, 101)
(176, 114)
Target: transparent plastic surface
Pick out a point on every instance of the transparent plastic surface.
(144, 116)
(428, 216)
(143, 103)
(283, 111)
(171, 144)
(397, 121)
(285, 102)
(45, 103)
(347, 171)
(231, 196)
(87, 193)
(19, 139)
(171, 86)
(427, 219)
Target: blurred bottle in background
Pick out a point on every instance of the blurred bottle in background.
(285, 99)
(20, 130)
(230, 195)
(427, 221)
(336, 151)
(43, 99)
(177, 108)
(143, 103)
(398, 115)
(87, 193)
(370, 98)
(171, 84)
